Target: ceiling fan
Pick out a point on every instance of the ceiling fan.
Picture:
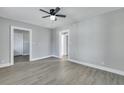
(53, 14)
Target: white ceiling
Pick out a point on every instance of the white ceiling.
(32, 15)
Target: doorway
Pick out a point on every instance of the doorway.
(21, 45)
(64, 44)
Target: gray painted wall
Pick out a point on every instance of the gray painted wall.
(41, 39)
(98, 40)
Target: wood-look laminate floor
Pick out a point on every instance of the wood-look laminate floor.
(53, 71)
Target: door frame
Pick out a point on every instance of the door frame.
(60, 41)
(12, 42)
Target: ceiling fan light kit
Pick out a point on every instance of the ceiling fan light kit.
(53, 14)
(52, 17)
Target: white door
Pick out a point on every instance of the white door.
(18, 43)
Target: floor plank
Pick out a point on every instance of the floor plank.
(53, 71)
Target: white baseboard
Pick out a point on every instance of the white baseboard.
(75, 61)
(34, 59)
(98, 67)
(55, 56)
(5, 65)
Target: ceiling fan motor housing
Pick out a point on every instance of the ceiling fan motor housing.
(52, 11)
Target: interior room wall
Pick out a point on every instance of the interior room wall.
(98, 40)
(26, 43)
(18, 43)
(41, 39)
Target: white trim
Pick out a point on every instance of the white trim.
(12, 46)
(5, 65)
(60, 48)
(12, 42)
(34, 59)
(98, 67)
(55, 56)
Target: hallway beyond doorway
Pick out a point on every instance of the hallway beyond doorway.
(24, 58)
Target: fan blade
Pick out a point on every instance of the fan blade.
(46, 16)
(44, 11)
(56, 10)
(59, 15)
